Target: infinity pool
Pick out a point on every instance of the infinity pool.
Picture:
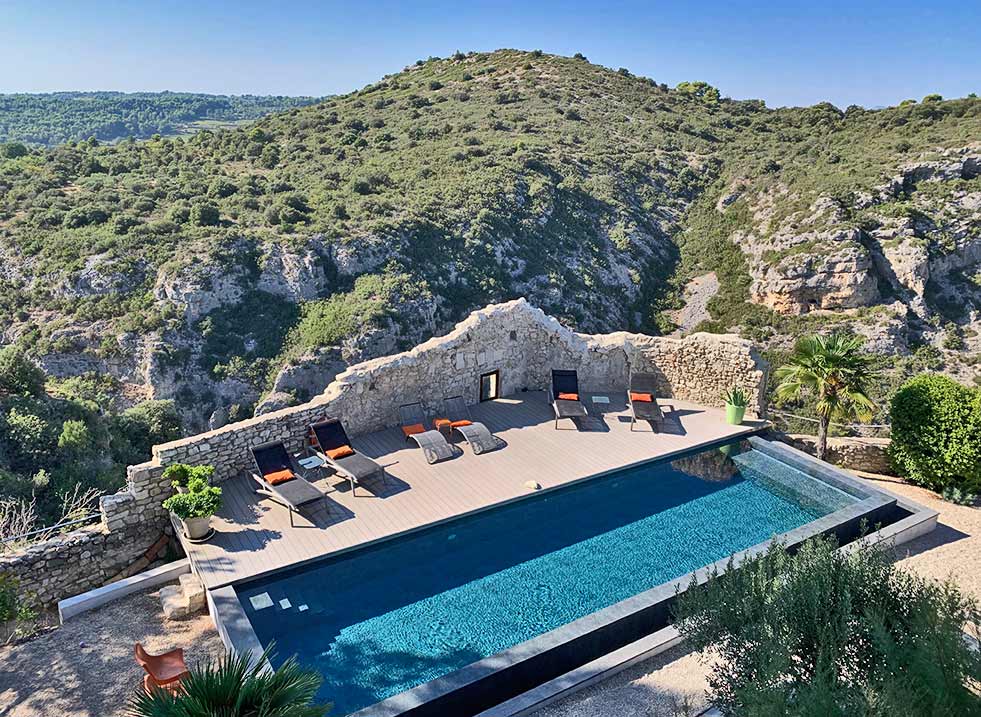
(383, 619)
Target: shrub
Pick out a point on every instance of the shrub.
(136, 430)
(199, 501)
(181, 474)
(19, 375)
(75, 437)
(936, 433)
(237, 686)
(204, 215)
(824, 632)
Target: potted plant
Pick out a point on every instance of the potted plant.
(736, 403)
(180, 474)
(195, 506)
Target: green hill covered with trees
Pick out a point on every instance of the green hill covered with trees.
(57, 117)
(246, 266)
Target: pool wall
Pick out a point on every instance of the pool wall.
(526, 666)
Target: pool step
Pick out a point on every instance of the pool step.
(183, 600)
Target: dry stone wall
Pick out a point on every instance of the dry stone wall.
(132, 533)
(514, 338)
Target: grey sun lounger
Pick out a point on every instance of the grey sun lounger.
(643, 410)
(566, 382)
(481, 440)
(271, 458)
(356, 467)
(434, 445)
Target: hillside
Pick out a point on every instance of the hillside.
(53, 118)
(248, 266)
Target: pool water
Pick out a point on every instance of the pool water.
(383, 619)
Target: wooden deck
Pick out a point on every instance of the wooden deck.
(254, 534)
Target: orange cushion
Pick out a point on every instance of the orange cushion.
(277, 477)
(442, 422)
(413, 429)
(340, 452)
(643, 397)
(569, 396)
(464, 422)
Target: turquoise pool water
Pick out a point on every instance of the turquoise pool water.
(383, 619)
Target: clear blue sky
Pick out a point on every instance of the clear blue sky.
(785, 52)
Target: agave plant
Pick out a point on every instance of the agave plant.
(237, 686)
(735, 397)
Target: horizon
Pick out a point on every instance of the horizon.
(806, 56)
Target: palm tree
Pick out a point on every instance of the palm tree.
(236, 686)
(833, 369)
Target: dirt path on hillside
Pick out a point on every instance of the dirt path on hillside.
(698, 291)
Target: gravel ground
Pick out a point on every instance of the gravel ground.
(660, 686)
(86, 668)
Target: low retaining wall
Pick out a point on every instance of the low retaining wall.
(133, 532)
(514, 338)
(81, 560)
(858, 454)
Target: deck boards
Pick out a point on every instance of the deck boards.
(254, 535)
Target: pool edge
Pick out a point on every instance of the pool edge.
(639, 615)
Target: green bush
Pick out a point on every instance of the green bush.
(200, 500)
(75, 438)
(823, 632)
(181, 474)
(237, 686)
(936, 433)
(19, 375)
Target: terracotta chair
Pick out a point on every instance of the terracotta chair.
(162, 671)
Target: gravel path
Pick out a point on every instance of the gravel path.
(86, 668)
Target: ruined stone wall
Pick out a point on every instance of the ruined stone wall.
(514, 338)
(133, 532)
(81, 560)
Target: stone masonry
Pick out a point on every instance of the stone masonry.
(514, 338)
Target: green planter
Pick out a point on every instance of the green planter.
(734, 414)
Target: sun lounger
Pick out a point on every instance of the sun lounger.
(642, 398)
(433, 444)
(330, 443)
(280, 478)
(564, 395)
(456, 412)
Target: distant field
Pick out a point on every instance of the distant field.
(54, 118)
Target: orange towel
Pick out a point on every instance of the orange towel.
(464, 422)
(569, 396)
(442, 422)
(643, 397)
